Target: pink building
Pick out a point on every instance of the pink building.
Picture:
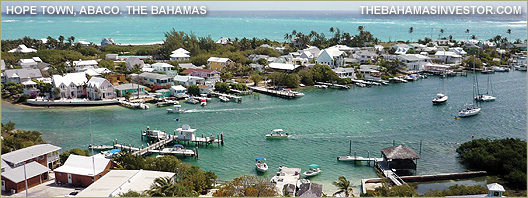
(70, 85)
(99, 88)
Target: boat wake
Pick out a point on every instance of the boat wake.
(226, 110)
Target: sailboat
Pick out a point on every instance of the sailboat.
(440, 98)
(472, 109)
(485, 97)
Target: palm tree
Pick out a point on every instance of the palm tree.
(467, 32)
(332, 29)
(286, 36)
(509, 32)
(442, 32)
(61, 41)
(411, 30)
(162, 187)
(473, 37)
(72, 38)
(360, 29)
(344, 186)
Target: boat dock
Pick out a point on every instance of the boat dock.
(231, 97)
(156, 148)
(282, 94)
(241, 92)
(286, 177)
(334, 85)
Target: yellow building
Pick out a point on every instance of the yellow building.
(218, 64)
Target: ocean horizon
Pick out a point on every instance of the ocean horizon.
(133, 29)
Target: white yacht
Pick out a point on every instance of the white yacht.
(314, 170)
(261, 164)
(176, 109)
(277, 133)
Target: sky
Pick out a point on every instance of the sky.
(266, 5)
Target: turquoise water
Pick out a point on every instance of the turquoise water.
(321, 125)
(260, 24)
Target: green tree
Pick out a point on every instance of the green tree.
(344, 186)
(131, 193)
(222, 87)
(226, 76)
(77, 151)
(247, 186)
(193, 90)
(167, 187)
(256, 79)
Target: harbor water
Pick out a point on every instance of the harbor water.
(321, 124)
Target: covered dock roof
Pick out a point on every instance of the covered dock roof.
(399, 152)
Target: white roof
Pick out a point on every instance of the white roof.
(343, 70)
(23, 49)
(83, 42)
(96, 82)
(84, 62)
(27, 153)
(333, 52)
(32, 169)
(102, 70)
(29, 82)
(83, 165)
(495, 187)
(186, 78)
(37, 59)
(447, 53)
(147, 69)
(78, 79)
(284, 66)
(178, 87)
(122, 181)
(91, 72)
(216, 59)
(30, 60)
(180, 50)
(179, 55)
(161, 65)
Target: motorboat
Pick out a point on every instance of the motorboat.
(177, 150)
(203, 102)
(321, 86)
(261, 164)
(167, 103)
(192, 100)
(314, 170)
(223, 99)
(100, 147)
(154, 134)
(176, 109)
(361, 85)
(469, 111)
(111, 153)
(499, 69)
(440, 98)
(277, 133)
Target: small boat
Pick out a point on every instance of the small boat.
(321, 86)
(111, 153)
(440, 98)
(314, 170)
(485, 98)
(277, 133)
(223, 99)
(499, 69)
(177, 150)
(155, 134)
(192, 100)
(167, 103)
(361, 85)
(469, 111)
(203, 102)
(261, 164)
(176, 109)
(301, 85)
(100, 147)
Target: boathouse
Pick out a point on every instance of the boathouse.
(82, 170)
(400, 157)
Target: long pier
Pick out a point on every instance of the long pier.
(231, 97)
(334, 85)
(282, 94)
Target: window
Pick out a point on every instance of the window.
(59, 174)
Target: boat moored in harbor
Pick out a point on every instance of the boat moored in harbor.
(314, 170)
(261, 164)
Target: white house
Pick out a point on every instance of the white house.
(188, 80)
(107, 41)
(180, 55)
(155, 79)
(345, 72)
(414, 62)
(448, 57)
(31, 62)
(83, 65)
(70, 85)
(21, 75)
(133, 61)
(365, 56)
(162, 67)
(99, 88)
(178, 91)
(370, 71)
(224, 41)
(22, 49)
(331, 57)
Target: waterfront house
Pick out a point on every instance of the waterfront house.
(111, 56)
(414, 62)
(218, 64)
(38, 160)
(161, 93)
(133, 61)
(178, 91)
(180, 55)
(117, 182)
(400, 157)
(21, 75)
(188, 80)
(30, 88)
(155, 79)
(448, 57)
(206, 89)
(370, 72)
(458, 50)
(365, 56)
(435, 67)
(82, 171)
(121, 90)
(162, 67)
(22, 49)
(332, 57)
(99, 88)
(107, 41)
(30, 62)
(345, 72)
(70, 85)
(83, 65)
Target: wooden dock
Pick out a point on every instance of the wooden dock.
(282, 94)
(334, 85)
